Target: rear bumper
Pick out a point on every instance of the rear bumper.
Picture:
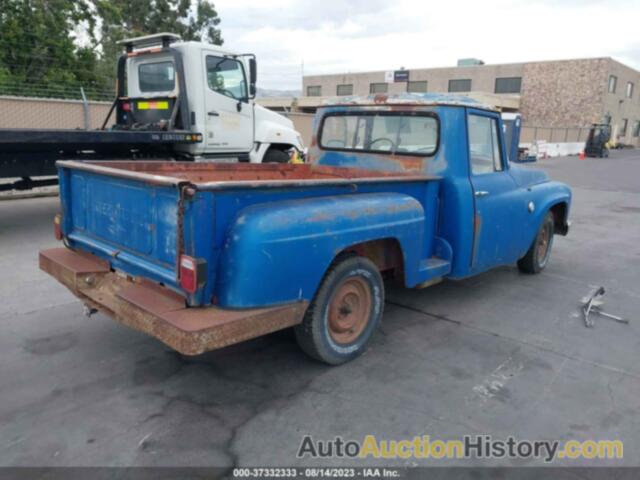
(158, 311)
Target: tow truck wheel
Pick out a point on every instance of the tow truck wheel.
(345, 312)
(538, 254)
(274, 155)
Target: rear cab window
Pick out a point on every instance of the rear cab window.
(156, 76)
(399, 133)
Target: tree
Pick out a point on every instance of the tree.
(38, 50)
(124, 18)
(40, 53)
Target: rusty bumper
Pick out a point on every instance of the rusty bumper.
(158, 311)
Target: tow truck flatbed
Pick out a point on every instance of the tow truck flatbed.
(28, 153)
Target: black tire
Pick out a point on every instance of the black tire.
(275, 156)
(538, 254)
(345, 312)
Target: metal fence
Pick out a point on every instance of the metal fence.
(530, 134)
(45, 90)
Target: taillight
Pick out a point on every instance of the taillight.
(193, 273)
(57, 228)
(126, 107)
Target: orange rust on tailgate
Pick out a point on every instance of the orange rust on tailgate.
(160, 312)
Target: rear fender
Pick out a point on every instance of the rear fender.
(278, 252)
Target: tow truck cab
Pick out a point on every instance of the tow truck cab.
(165, 84)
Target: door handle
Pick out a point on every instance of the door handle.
(213, 113)
(481, 193)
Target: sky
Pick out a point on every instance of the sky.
(332, 36)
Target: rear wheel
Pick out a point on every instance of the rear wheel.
(275, 156)
(538, 254)
(345, 312)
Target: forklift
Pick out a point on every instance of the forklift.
(598, 140)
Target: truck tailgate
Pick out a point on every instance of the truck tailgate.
(131, 223)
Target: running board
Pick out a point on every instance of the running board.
(432, 270)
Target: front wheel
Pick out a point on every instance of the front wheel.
(538, 254)
(275, 156)
(345, 312)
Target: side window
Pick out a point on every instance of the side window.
(497, 152)
(484, 145)
(226, 76)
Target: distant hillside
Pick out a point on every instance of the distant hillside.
(266, 92)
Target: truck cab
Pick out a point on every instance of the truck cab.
(489, 209)
(165, 83)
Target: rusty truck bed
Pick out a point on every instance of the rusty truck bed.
(131, 227)
(223, 175)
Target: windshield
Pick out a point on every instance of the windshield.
(401, 133)
(156, 77)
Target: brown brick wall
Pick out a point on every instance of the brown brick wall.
(564, 93)
(619, 106)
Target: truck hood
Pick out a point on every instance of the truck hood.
(274, 128)
(263, 114)
(525, 177)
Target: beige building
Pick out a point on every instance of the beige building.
(550, 94)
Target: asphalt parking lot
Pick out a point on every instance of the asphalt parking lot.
(502, 354)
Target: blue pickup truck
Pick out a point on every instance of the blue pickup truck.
(414, 188)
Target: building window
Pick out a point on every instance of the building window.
(345, 90)
(629, 89)
(417, 87)
(508, 85)
(636, 129)
(462, 85)
(314, 91)
(613, 83)
(623, 130)
(378, 88)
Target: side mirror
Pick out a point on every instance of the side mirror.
(253, 77)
